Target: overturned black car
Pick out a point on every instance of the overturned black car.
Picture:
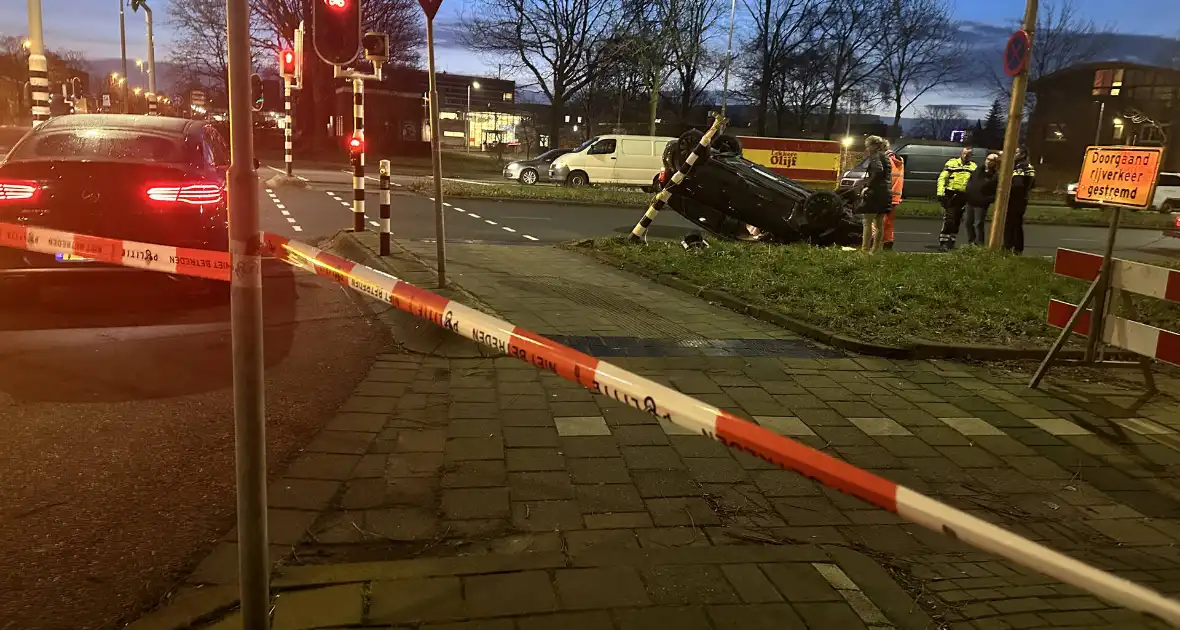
(734, 198)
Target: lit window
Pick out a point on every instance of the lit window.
(1120, 129)
(508, 96)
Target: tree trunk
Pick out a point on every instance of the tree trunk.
(833, 110)
(653, 104)
(897, 120)
(556, 109)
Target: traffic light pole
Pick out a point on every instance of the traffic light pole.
(246, 329)
(38, 66)
(288, 146)
(358, 165)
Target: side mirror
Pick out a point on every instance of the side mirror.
(257, 164)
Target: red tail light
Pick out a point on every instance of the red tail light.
(17, 190)
(192, 194)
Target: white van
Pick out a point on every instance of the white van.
(613, 159)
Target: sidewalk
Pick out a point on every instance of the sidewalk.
(479, 493)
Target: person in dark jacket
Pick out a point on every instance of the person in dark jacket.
(1024, 177)
(877, 196)
(981, 193)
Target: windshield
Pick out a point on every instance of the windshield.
(585, 145)
(97, 144)
(549, 156)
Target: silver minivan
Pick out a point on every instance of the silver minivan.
(923, 164)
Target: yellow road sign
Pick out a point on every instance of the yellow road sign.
(1119, 176)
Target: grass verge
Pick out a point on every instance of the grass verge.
(632, 197)
(972, 296)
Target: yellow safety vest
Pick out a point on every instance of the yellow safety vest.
(954, 176)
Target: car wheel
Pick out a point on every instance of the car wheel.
(577, 179)
(727, 145)
(528, 176)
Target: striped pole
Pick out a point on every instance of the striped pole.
(287, 146)
(38, 67)
(384, 219)
(657, 204)
(358, 165)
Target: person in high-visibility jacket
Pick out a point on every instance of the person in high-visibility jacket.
(897, 166)
(1024, 177)
(952, 195)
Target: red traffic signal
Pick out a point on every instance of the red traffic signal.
(287, 63)
(336, 29)
(355, 144)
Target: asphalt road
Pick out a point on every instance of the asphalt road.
(326, 206)
(116, 467)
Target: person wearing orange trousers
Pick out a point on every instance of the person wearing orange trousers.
(897, 182)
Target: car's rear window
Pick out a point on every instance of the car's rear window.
(98, 144)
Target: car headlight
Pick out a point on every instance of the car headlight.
(1071, 189)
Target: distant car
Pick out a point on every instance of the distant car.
(1174, 231)
(535, 170)
(735, 198)
(1166, 199)
(149, 179)
(610, 159)
(923, 165)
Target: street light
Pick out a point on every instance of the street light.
(467, 136)
(27, 44)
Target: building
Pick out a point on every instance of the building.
(1106, 103)
(397, 117)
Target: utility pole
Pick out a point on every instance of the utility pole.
(123, 46)
(440, 232)
(151, 60)
(38, 66)
(1012, 135)
(245, 248)
(728, 57)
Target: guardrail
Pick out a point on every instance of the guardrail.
(661, 402)
(1125, 277)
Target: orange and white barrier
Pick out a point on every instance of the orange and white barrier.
(1133, 277)
(670, 405)
(183, 261)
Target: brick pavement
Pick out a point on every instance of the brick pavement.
(502, 497)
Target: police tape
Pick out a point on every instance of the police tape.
(184, 261)
(609, 380)
(667, 404)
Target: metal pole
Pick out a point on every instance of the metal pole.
(384, 169)
(123, 46)
(1065, 333)
(728, 57)
(1012, 135)
(1097, 319)
(246, 326)
(38, 67)
(467, 121)
(288, 146)
(440, 229)
(358, 165)
(151, 60)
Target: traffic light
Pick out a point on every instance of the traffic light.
(376, 47)
(287, 63)
(356, 148)
(336, 28)
(256, 94)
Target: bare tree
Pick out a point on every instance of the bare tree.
(780, 29)
(800, 90)
(693, 62)
(927, 53)
(550, 40)
(856, 36)
(937, 122)
(199, 51)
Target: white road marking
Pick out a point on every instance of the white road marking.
(474, 215)
(374, 224)
(283, 210)
(285, 213)
(508, 229)
(279, 205)
(290, 220)
(460, 209)
(296, 227)
(490, 222)
(446, 204)
(529, 237)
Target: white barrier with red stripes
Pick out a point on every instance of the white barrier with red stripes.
(1133, 277)
(198, 263)
(663, 403)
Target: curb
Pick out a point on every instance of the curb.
(917, 349)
